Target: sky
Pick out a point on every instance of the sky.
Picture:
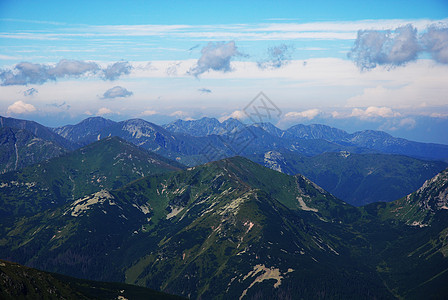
(355, 65)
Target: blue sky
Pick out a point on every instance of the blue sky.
(379, 65)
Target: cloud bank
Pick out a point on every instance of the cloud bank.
(25, 73)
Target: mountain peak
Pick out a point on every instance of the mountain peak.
(420, 207)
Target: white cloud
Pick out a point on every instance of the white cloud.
(439, 115)
(25, 73)
(20, 107)
(436, 42)
(117, 92)
(148, 113)
(307, 114)
(117, 69)
(216, 57)
(374, 112)
(343, 30)
(390, 48)
(104, 111)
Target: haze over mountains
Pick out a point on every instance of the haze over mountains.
(275, 223)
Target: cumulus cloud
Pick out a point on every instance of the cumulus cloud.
(205, 91)
(387, 48)
(104, 111)
(307, 114)
(25, 73)
(215, 56)
(67, 68)
(30, 92)
(117, 92)
(435, 41)
(29, 73)
(374, 112)
(278, 57)
(117, 69)
(20, 107)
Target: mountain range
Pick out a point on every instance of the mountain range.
(330, 157)
(115, 204)
(231, 137)
(235, 229)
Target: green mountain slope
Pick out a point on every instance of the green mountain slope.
(420, 207)
(20, 282)
(228, 229)
(414, 263)
(233, 229)
(106, 164)
(358, 179)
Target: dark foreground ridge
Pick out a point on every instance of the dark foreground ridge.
(20, 282)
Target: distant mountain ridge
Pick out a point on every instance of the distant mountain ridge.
(37, 130)
(83, 132)
(213, 140)
(369, 139)
(189, 138)
(20, 148)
